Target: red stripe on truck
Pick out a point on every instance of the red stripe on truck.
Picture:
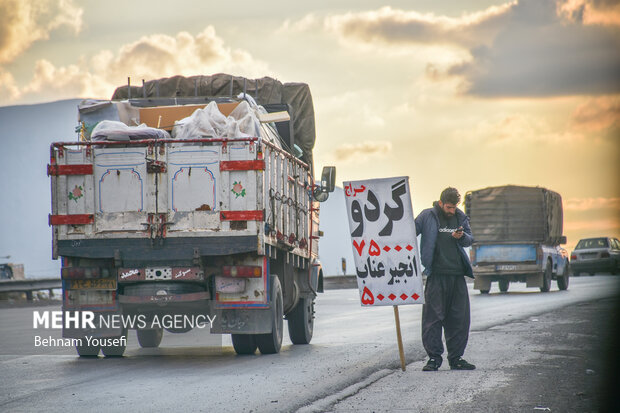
(241, 215)
(77, 219)
(242, 165)
(56, 170)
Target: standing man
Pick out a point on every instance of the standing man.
(445, 233)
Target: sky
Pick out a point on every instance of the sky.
(467, 94)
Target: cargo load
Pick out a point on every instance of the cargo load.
(515, 213)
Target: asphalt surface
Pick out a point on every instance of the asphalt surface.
(351, 365)
(560, 361)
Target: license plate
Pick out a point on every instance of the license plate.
(93, 284)
(76, 298)
(229, 285)
(506, 267)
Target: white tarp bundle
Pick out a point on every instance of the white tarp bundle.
(265, 90)
(210, 122)
(112, 130)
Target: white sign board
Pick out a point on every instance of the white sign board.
(383, 236)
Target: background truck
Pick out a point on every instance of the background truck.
(10, 271)
(220, 217)
(517, 235)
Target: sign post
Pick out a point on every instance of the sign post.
(383, 237)
(399, 338)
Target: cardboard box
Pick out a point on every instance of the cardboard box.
(170, 114)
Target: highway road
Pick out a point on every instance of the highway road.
(200, 372)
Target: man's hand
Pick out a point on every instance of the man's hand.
(458, 233)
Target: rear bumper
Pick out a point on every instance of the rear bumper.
(163, 299)
(500, 270)
(163, 249)
(598, 265)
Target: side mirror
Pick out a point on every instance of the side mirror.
(328, 183)
(563, 239)
(328, 178)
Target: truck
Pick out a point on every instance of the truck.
(191, 198)
(517, 236)
(11, 271)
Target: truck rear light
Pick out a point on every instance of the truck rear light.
(242, 271)
(84, 272)
(573, 257)
(604, 254)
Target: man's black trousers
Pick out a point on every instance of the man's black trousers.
(446, 306)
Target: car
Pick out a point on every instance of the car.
(592, 255)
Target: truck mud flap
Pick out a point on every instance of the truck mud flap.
(237, 320)
(534, 280)
(482, 282)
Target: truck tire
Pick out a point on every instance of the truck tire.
(271, 343)
(563, 280)
(86, 350)
(503, 285)
(244, 343)
(150, 338)
(484, 291)
(546, 282)
(301, 321)
(115, 351)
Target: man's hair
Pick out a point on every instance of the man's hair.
(450, 195)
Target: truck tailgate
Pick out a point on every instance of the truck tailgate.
(496, 253)
(114, 191)
(106, 193)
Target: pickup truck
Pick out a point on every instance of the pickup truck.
(518, 233)
(190, 197)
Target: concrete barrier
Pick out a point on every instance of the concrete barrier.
(340, 282)
(29, 285)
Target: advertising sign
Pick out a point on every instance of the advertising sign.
(383, 237)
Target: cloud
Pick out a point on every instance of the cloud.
(149, 57)
(389, 26)
(23, 22)
(591, 11)
(8, 87)
(515, 128)
(162, 55)
(588, 204)
(597, 114)
(306, 23)
(543, 55)
(593, 225)
(519, 49)
(362, 151)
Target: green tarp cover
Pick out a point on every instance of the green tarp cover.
(515, 214)
(265, 90)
